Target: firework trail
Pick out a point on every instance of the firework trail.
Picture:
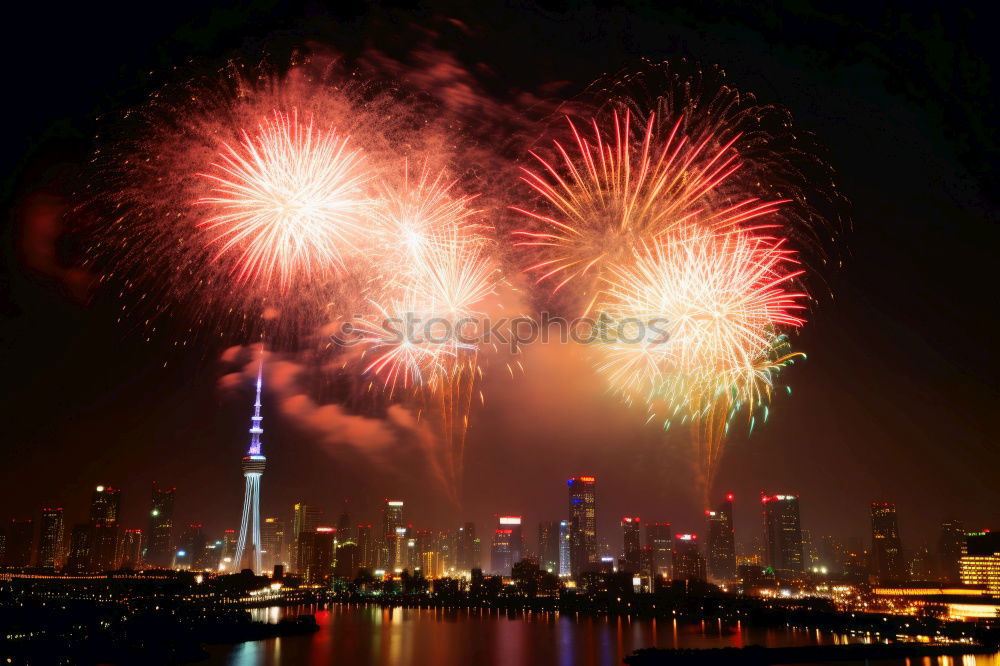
(288, 203)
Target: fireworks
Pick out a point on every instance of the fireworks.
(287, 203)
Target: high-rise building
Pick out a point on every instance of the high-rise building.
(508, 544)
(319, 549)
(688, 561)
(366, 548)
(227, 561)
(160, 545)
(548, 546)
(951, 548)
(464, 542)
(632, 549)
(272, 542)
(981, 563)
(20, 543)
(782, 533)
(565, 542)
(348, 561)
(50, 538)
(722, 542)
(887, 553)
(81, 547)
(660, 542)
(392, 520)
(248, 546)
(583, 524)
(191, 548)
(130, 549)
(345, 529)
(105, 508)
(305, 518)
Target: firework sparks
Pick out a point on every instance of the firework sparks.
(287, 202)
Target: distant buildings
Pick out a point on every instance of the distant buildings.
(981, 563)
(583, 524)
(565, 543)
(272, 542)
(305, 519)
(51, 534)
(548, 546)
(782, 533)
(467, 547)
(688, 561)
(159, 547)
(508, 545)
(888, 564)
(722, 542)
(631, 547)
(950, 549)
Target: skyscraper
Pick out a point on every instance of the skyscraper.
(722, 542)
(464, 546)
(272, 542)
(51, 531)
(565, 541)
(887, 553)
(508, 544)
(782, 532)
(305, 518)
(583, 524)
(345, 530)
(981, 563)
(548, 546)
(105, 508)
(366, 548)
(130, 549)
(159, 546)
(688, 561)
(248, 547)
(631, 548)
(951, 548)
(660, 541)
(392, 520)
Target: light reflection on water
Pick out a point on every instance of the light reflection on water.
(376, 636)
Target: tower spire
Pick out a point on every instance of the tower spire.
(255, 429)
(248, 546)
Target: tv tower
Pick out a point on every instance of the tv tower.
(248, 543)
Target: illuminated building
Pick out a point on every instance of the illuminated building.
(190, 553)
(467, 547)
(508, 543)
(583, 524)
(366, 548)
(981, 563)
(424, 553)
(398, 555)
(688, 562)
(782, 533)
(130, 549)
(81, 546)
(20, 543)
(392, 519)
(248, 546)
(565, 541)
(347, 561)
(228, 561)
(632, 549)
(272, 542)
(887, 553)
(548, 546)
(660, 541)
(51, 529)
(305, 518)
(951, 548)
(722, 542)
(318, 548)
(159, 549)
(345, 531)
(105, 508)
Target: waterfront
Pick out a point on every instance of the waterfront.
(377, 636)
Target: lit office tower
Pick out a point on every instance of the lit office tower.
(660, 542)
(51, 529)
(951, 548)
(392, 519)
(81, 548)
(631, 548)
(20, 542)
(159, 549)
(105, 508)
(130, 549)
(305, 519)
(272, 542)
(248, 546)
(722, 542)
(508, 543)
(318, 551)
(366, 548)
(464, 546)
(583, 524)
(227, 563)
(565, 541)
(981, 563)
(345, 529)
(688, 562)
(548, 546)
(887, 553)
(782, 532)
(191, 549)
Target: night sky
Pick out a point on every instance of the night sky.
(895, 403)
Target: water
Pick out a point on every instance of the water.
(375, 636)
